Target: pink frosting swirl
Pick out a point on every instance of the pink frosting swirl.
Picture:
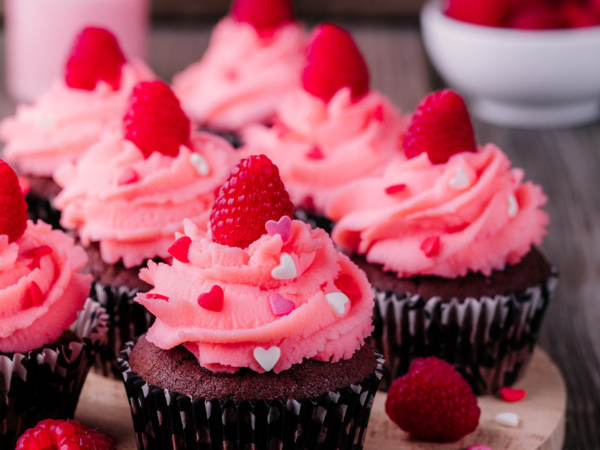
(321, 147)
(132, 205)
(41, 290)
(242, 78)
(64, 122)
(318, 326)
(480, 209)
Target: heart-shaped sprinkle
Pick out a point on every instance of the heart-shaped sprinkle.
(315, 153)
(286, 270)
(460, 180)
(431, 246)
(280, 305)
(378, 113)
(25, 185)
(479, 447)
(153, 296)
(509, 394)
(33, 296)
(127, 176)
(281, 227)
(390, 190)
(513, 206)
(37, 252)
(337, 301)
(180, 249)
(267, 358)
(200, 164)
(213, 299)
(508, 419)
(348, 286)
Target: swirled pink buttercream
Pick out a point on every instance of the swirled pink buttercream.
(473, 213)
(133, 205)
(242, 78)
(321, 323)
(321, 147)
(41, 291)
(64, 122)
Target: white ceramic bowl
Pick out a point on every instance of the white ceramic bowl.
(513, 77)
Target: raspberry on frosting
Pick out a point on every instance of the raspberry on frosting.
(13, 208)
(264, 15)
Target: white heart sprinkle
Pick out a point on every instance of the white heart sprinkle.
(267, 358)
(337, 301)
(513, 206)
(46, 121)
(286, 269)
(508, 419)
(200, 164)
(460, 180)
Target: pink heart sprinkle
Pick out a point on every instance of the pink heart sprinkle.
(315, 153)
(281, 227)
(378, 113)
(479, 447)
(431, 246)
(280, 305)
(509, 394)
(390, 190)
(33, 296)
(128, 175)
(154, 296)
(37, 252)
(180, 248)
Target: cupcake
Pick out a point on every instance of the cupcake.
(128, 195)
(449, 242)
(259, 338)
(63, 122)
(331, 131)
(49, 330)
(254, 59)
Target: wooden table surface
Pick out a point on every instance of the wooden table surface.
(565, 162)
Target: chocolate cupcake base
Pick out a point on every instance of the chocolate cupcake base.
(46, 383)
(168, 420)
(39, 200)
(489, 338)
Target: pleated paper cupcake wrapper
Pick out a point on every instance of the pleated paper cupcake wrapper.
(46, 383)
(41, 208)
(488, 340)
(166, 420)
(128, 320)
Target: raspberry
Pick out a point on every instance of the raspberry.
(51, 434)
(536, 15)
(440, 127)
(154, 120)
(577, 15)
(252, 195)
(489, 12)
(333, 62)
(95, 56)
(433, 402)
(13, 208)
(265, 16)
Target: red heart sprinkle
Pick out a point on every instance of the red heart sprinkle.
(154, 296)
(33, 296)
(315, 153)
(348, 286)
(213, 299)
(378, 113)
(37, 252)
(128, 175)
(512, 395)
(180, 249)
(390, 190)
(431, 246)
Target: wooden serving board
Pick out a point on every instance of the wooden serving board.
(103, 405)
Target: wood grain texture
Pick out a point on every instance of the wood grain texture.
(103, 405)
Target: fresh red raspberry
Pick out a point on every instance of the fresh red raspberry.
(51, 434)
(433, 402)
(13, 208)
(252, 195)
(265, 16)
(578, 15)
(536, 15)
(480, 12)
(154, 120)
(333, 62)
(441, 127)
(95, 56)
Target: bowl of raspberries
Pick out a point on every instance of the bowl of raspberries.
(519, 63)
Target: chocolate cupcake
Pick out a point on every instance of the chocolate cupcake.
(49, 329)
(71, 116)
(128, 195)
(449, 241)
(259, 338)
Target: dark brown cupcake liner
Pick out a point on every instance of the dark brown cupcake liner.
(128, 320)
(488, 340)
(41, 208)
(165, 420)
(46, 383)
